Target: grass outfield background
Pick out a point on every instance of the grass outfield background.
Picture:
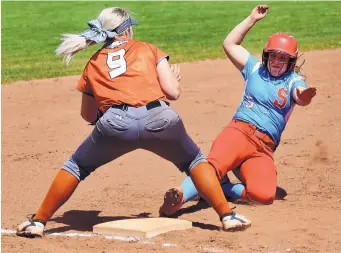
(188, 31)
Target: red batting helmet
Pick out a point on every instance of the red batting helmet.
(284, 43)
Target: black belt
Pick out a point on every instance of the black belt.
(149, 106)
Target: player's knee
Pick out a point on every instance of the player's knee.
(72, 167)
(220, 169)
(187, 168)
(262, 197)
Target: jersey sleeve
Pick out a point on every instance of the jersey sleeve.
(251, 63)
(298, 81)
(158, 53)
(84, 85)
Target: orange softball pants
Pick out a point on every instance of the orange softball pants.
(241, 145)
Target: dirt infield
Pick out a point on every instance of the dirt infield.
(41, 127)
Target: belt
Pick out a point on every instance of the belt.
(149, 106)
(264, 137)
(266, 140)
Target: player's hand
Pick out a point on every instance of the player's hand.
(306, 95)
(176, 71)
(259, 12)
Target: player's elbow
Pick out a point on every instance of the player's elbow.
(228, 47)
(174, 94)
(228, 43)
(90, 118)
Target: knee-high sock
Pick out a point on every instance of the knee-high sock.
(62, 187)
(233, 191)
(206, 182)
(188, 189)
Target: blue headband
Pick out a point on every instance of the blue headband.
(127, 23)
(97, 34)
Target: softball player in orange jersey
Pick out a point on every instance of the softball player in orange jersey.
(126, 86)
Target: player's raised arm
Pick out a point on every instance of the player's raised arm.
(234, 51)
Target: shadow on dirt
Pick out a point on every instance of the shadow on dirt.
(202, 204)
(84, 220)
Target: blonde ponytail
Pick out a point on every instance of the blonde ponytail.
(110, 23)
(72, 43)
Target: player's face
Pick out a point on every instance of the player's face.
(278, 63)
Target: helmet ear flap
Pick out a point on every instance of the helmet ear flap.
(292, 63)
(265, 58)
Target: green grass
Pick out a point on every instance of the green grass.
(188, 31)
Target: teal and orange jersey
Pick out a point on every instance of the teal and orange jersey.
(267, 102)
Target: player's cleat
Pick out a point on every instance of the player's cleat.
(31, 228)
(234, 222)
(172, 202)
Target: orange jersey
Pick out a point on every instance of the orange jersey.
(123, 72)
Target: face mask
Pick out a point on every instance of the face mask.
(277, 63)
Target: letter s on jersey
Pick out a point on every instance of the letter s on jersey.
(282, 98)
